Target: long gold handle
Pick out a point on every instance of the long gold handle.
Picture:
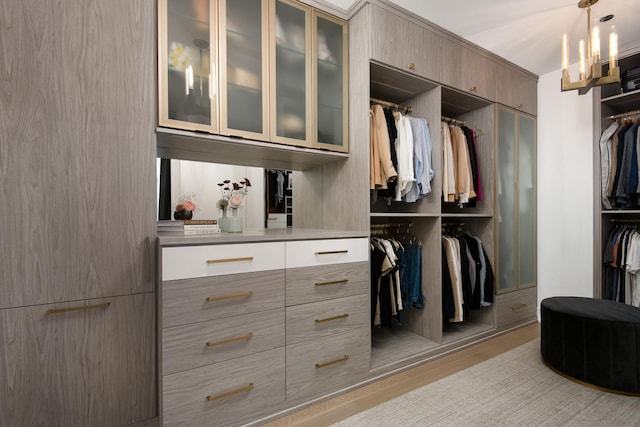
(233, 296)
(344, 251)
(328, 319)
(333, 362)
(84, 307)
(335, 282)
(518, 306)
(230, 340)
(230, 392)
(218, 261)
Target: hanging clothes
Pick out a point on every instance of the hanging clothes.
(422, 168)
(382, 167)
(621, 261)
(461, 171)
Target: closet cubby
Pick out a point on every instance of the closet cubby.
(425, 330)
(611, 104)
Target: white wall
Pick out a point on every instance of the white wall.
(565, 190)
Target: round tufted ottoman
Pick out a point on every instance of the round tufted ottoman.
(592, 340)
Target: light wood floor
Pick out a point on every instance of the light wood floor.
(343, 406)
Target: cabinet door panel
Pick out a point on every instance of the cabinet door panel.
(507, 202)
(187, 57)
(77, 168)
(244, 73)
(78, 368)
(527, 201)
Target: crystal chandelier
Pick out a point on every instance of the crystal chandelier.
(590, 65)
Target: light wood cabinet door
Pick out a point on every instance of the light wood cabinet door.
(88, 367)
(516, 90)
(77, 162)
(406, 45)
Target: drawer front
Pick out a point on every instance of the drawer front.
(215, 260)
(224, 393)
(204, 343)
(310, 284)
(517, 306)
(208, 298)
(327, 318)
(306, 253)
(328, 364)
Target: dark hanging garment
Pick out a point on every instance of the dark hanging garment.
(390, 191)
(164, 201)
(473, 159)
(448, 304)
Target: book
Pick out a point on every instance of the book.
(191, 225)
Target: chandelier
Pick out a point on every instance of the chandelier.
(590, 65)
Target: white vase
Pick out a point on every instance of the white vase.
(234, 222)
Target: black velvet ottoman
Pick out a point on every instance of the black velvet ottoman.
(592, 340)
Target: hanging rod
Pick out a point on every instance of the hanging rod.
(630, 113)
(453, 121)
(625, 221)
(406, 108)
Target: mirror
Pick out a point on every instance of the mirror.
(198, 182)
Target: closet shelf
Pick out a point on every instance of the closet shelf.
(403, 215)
(623, 102)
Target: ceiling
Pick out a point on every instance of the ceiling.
(528, 33)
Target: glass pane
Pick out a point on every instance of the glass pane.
(506, 200)
(188, 41)
(244, 65)
(291, 72)
(330, 82)
(527, 201)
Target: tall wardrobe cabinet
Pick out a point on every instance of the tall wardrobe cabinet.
(77, 166)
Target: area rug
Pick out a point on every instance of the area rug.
(511, 389)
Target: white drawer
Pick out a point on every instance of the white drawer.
(277, 220)
(306, 253)
(185, 262)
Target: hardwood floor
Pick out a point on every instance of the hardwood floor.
(343, 406)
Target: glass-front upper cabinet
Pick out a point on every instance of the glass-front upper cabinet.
(516, 201)
(187, 58)
(244, 83)
(291, 53)
(330, 82)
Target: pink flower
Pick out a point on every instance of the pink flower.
(189, 206)
(235, 201)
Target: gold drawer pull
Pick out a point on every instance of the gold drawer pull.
(230, 392)
(344, 251)
(218, 261)
(518, 306)
(230, 340)
(328, 319)
(84, 307)
(333, 362)
(234, 296)
(412, 66)
(335, 282)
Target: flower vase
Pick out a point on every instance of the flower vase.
(223, 221)
(234, 222)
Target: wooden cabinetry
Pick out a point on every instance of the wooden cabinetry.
(261, 70)
(78, 163)
(516, 90)
(260, 326)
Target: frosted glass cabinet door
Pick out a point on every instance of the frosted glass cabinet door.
(527, 201)
(244, 78)
(506, 212)
(290, 105)
(330, 71)
(187, 61)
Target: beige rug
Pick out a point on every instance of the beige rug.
(512, 389)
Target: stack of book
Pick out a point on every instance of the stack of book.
(190, 226)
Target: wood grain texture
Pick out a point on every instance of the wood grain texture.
(184, 301)
(185, 347)
(185, 393)
(301, 282)
(79, 368)
(310, 321)
(77, 150)
(516, 89)
(516, 306)
(305, 380)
